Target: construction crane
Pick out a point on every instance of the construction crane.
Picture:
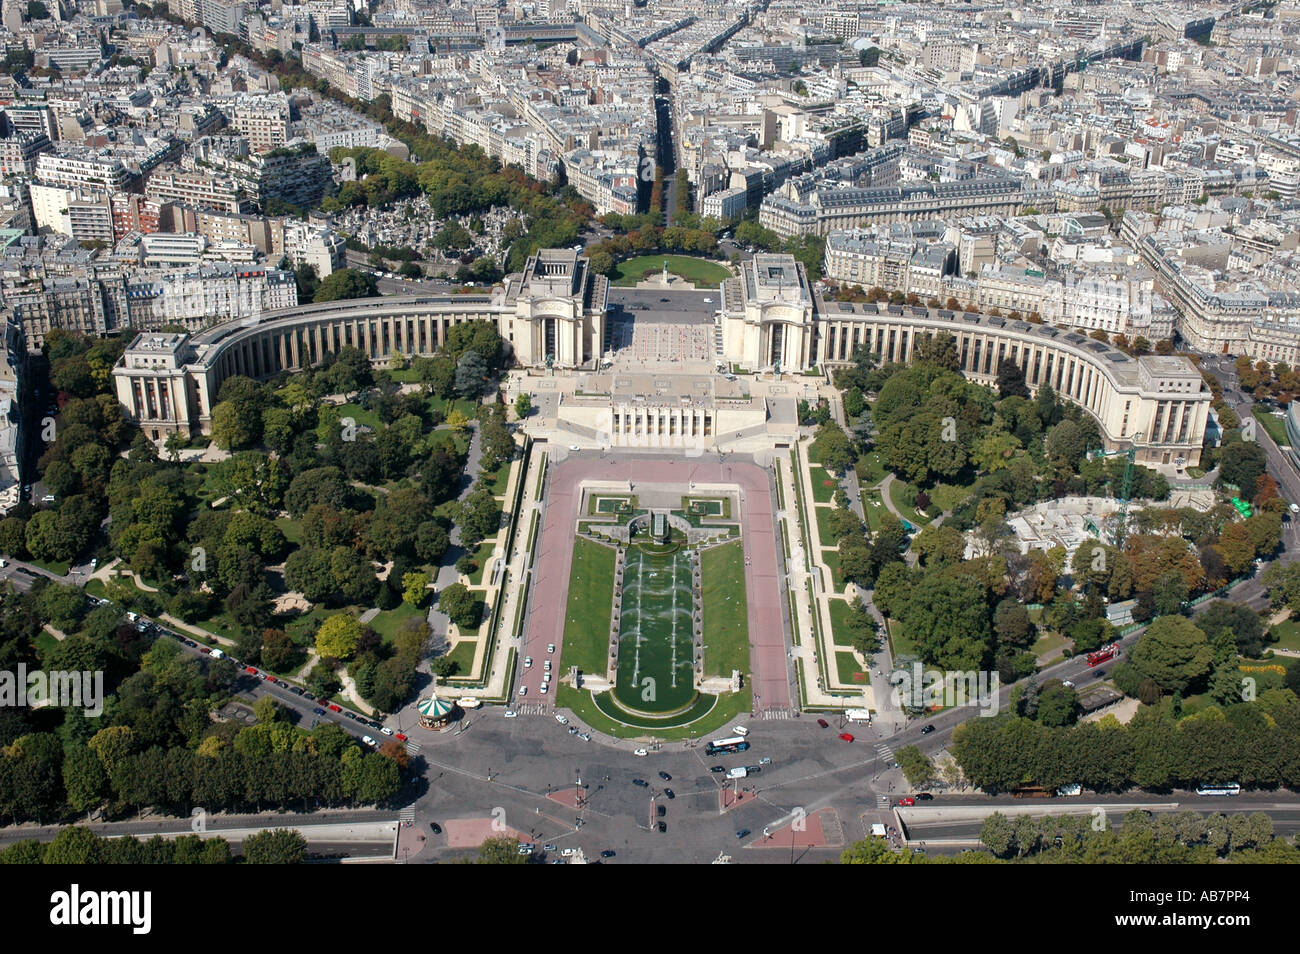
(1127, 488)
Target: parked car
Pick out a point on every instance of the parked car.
(847, 737)
(742, 833)
(927, 729)
(435, 828)
(318, 710)
(823, 723)
(523, 690)
(641, 753)
(550, 647)
(663, 827)
(400, 736)
(549, 848)
(640, 782)
(386, 730)
(661, 811)
(511, 714)
(923, 797)
(906, 800)
(528, 662)
(334, 708)
(370, 742)
(665, 776)
(561, 719)
(608, 853)
(669, 793)
(717, 768)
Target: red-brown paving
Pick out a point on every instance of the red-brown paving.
(472, 832)
(770, 681)
(812, 834)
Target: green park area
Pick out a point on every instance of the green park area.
(591, 598)
(726, 613)
(697, 271)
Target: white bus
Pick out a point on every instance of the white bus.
(1232, 788)
(719, 746)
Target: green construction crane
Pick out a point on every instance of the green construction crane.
(1127, 491)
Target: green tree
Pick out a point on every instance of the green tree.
(415, 588)
(460, 605)
(345, 284)
(1173, 653)
(338, 636)
(279, 846)
(915, 764)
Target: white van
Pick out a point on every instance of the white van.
(740, 730)
(217, 654)
(738, 772)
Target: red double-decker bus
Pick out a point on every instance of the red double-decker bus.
(1103, 654)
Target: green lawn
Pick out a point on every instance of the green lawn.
(849, 671)
(54, 566)
(831, 557)
(292, 529)
(96, 588)
(823, 484)
(591, 600)
(903, 646)
(483, 557)
(463, 655)
(1276, 429)
(840, 613)
(727, 707)
(948, 497)
(698, 271)
(873, 513)
(496, 481)
(44, 643)
(359, 414)
(870, 470)
(726, 620)
(386, 623)
(1287, 634)
(824, 526)
(1047, 643)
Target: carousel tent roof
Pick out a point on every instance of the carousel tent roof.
(434, 708)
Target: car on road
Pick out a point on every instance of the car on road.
(400, 736)
(550, 647)
(923, 797)
(386, 730)
(435, 828)
(543, 689)
(608, 853)
(295, 690)
(561, 719)
(308, 696)
(1100, 674)
(547, 665)
(742, 833)
(1067, 684)
(669, 793)
(528, 662)
(906, 800)
(663, 828)
(318, 710)
(640, 782)
(661, 811)
(663, 299)
(205, 650)
(573, 730)
(511, 714)
(665, 776)
(740, 730)
(927, 729)
(847, 737)
(717, 768)
(584, 736)
(334, 708)
(765, 760)
(574, 447)
(640, 753)
(823, 723)
(523, 690)
(370, 742)
(250, 670)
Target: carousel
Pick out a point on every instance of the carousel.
(435, 713)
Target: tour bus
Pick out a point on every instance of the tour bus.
(1232, 788)
(720, 746)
